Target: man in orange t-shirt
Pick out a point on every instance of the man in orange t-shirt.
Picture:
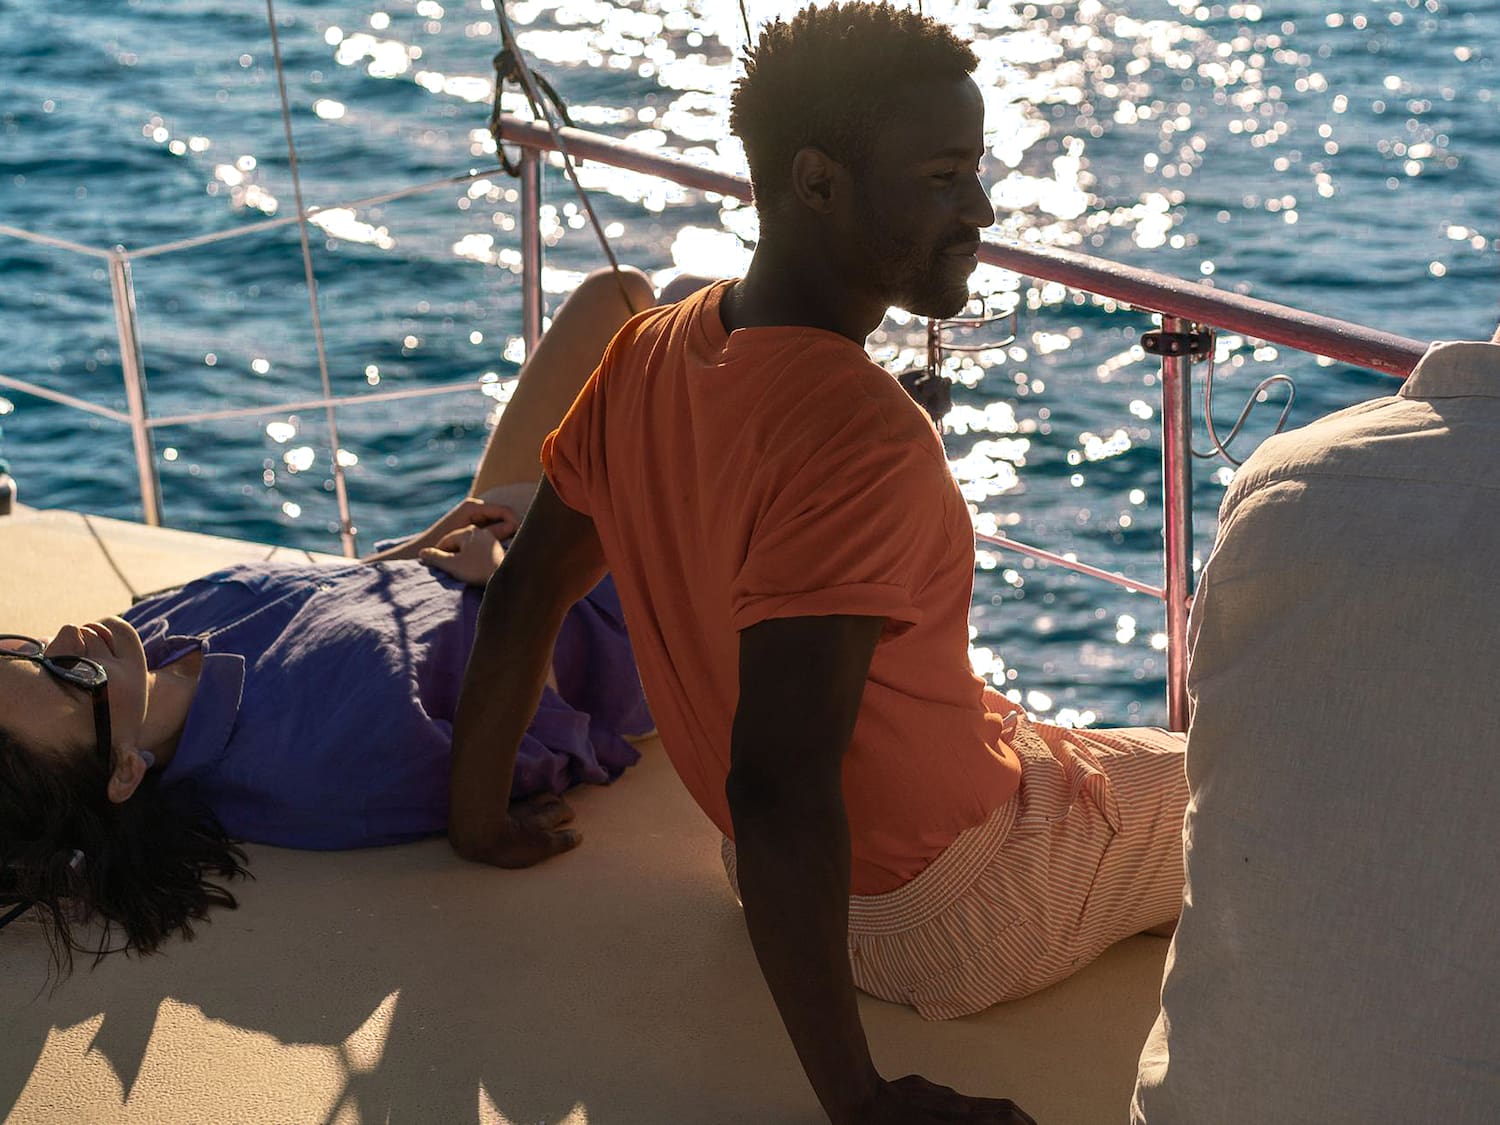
(795, 563)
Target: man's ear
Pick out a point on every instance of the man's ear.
(816, 179)
(130, 771)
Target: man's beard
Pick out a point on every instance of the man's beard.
(920, 280)
(942, 291)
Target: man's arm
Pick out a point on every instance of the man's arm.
(555, 560)
(801, 682)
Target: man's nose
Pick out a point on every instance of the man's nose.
(976, 206)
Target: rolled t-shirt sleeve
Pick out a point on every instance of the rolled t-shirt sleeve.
(847, 540)
(572, 453)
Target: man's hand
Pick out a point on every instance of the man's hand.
(785, 794)
(469, 554)
(555, 560)
(534, 832)
(932, 392)
(915, 1101)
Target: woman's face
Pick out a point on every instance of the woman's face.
(40, 710)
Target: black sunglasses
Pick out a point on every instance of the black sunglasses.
(80, 672)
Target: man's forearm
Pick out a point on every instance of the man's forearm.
(507, 669)
(793, 867)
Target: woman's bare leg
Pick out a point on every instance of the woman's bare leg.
(550, 380)
(552, 376)
(683, 285)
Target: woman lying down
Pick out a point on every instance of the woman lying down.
(305, 706)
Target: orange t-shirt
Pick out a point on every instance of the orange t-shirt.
(779, 472)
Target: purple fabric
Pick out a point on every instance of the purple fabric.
(323, 717)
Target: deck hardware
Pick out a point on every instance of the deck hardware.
(937, 397)
(1219, 447)
(133, 371)
(1197, 343)
(1178, 337)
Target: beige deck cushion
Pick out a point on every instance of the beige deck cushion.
(614, 985)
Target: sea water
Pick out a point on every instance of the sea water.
(1344, 160)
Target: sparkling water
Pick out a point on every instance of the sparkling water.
(1342, 161)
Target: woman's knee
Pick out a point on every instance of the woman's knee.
(618, 294)
(683, 285)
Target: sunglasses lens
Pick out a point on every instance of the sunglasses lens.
(80, 670)
(21, 646)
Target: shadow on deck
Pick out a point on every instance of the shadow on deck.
(614, 985)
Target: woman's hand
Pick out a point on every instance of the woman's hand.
(473, 512)
(468, 512)
(469, 554)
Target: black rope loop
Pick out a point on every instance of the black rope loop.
(507, 69)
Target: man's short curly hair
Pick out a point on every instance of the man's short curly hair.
(827, 79)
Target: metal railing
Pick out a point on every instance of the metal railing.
(1182, 305)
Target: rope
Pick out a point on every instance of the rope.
(506, 68)
(749, 35)
(340, 489)
(135, 595)
(539, 108)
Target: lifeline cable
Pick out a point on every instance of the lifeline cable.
(341, 491)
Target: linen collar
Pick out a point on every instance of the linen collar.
(216, 701)
(1455, 368)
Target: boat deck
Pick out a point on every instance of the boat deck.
(614, 985)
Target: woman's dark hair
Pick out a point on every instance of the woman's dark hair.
(827, 79)
(145, 863)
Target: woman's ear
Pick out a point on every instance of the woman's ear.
(130, 771)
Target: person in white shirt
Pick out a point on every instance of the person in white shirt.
(1338, 956)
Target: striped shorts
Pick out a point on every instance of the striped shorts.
(1088, 852)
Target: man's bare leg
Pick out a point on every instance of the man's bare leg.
(552, 376)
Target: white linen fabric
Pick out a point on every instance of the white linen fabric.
(1338, 956)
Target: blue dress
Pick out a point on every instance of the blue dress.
(323, 714)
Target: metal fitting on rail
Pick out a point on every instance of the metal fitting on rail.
(1197, 343)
